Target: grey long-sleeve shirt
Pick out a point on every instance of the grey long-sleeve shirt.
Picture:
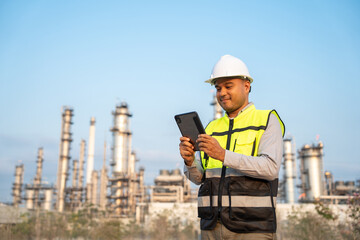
(264, 166)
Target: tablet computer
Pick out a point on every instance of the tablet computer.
(190, 126)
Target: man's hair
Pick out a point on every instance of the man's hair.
(239, 77)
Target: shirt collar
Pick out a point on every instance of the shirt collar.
(242, 110)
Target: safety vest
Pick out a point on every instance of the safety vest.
(244, 204)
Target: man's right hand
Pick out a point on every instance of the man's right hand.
(187, 150)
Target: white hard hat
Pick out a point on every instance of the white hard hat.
(229, 66)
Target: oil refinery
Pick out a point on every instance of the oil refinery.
(121, 192)
(119, 189)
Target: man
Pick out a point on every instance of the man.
(239, 161)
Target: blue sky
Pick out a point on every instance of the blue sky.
(155, 55)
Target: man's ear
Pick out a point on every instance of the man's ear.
(248, 86)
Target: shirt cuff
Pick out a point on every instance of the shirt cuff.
(191, 166)
(195, 163)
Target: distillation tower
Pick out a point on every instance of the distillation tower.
(32, 190)
(17, 185)
(76, 192)
(126, 186)
(94, 188)
(73, 190)
(103, 182)
(64, 157)
(312, 174)
(80, 180)
(37, 179)
(289, 166)
(38, 195)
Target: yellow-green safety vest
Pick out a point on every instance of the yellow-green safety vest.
(244, 204)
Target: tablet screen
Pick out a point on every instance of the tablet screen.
(190, 126)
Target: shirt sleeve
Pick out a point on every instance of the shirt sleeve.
(195, 172)
(267, 164)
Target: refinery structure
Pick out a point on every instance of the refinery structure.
(313, 183)
(120, 190)
(126, 185)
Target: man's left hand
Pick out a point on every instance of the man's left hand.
(211, 147)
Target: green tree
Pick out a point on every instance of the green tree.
(351, 230)
(309, 226)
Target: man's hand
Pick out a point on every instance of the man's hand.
(211, 147)
(187, 150)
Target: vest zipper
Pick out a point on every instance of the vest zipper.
(223, 170)
(206, 157)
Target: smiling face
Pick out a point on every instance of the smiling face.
(232, 94)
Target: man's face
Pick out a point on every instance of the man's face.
(232, 94)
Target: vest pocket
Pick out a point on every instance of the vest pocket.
(245, 144)
(205, 204)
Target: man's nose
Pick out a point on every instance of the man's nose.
(222, 92)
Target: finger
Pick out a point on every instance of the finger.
(205, 137)
(202, 144)
(201, 139)
(186, 145)
(203, 147)
(206, 143)
(201, 136)
(187, 153)
(184, 139)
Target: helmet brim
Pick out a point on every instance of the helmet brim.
(213, 80)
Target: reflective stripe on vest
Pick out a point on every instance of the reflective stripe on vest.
(244, 204)
(237, 201)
